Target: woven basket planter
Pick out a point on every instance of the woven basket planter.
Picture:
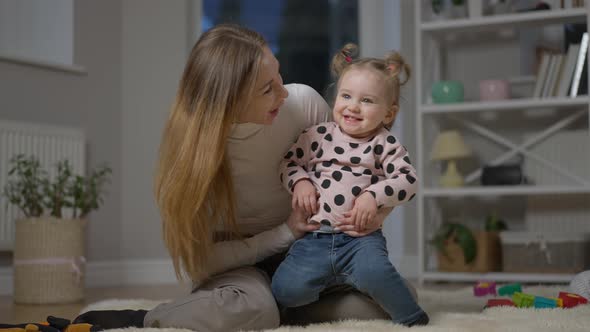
(49, 260)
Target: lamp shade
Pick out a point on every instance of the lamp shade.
(449, 145)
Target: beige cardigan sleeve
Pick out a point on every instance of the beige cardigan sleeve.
(229, 255)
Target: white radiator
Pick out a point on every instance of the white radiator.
(49, 144)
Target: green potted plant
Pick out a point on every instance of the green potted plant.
(459, 249)
(458, 235)
(49, 238)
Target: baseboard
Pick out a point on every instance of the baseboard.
(153, 272)
(112, 273)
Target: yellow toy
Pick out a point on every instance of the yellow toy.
(53, 324)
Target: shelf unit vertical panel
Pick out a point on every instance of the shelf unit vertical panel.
(419, 143)
(587, 3)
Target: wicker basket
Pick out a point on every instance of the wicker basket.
(49, 260)
(537, 252)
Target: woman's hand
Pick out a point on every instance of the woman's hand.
(297, 223)
(305, 197)
(348, 226)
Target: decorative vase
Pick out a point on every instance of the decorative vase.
(447, 92)
(49, 261)
(494, 90)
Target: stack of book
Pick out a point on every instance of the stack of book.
(559, 75)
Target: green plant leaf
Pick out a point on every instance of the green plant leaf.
(30, 189)
(465, 239)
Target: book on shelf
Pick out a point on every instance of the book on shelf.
(541, 75)
(549, 73)
(581, 66)
(553, 73)
(567, 73)
(562, 75)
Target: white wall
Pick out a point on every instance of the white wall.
(153, 49)
(38, 30)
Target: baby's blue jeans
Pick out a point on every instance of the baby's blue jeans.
(320, 260)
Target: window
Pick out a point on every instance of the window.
(37, 31)
(303, 34)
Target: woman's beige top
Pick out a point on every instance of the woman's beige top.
(263, 205)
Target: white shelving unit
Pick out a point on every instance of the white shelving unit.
(500, 131)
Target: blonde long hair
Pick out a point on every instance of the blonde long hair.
(193, 184)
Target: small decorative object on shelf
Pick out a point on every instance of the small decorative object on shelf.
(494, 90)
(449, 146)
(444, 92)
(502, 175)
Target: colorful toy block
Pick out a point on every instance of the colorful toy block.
(523, 300)
(484, 288)
(571, 300)
(499, 303)
(508, 290)
(558, 301)
(545, 302)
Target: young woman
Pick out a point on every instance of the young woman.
(226, 217)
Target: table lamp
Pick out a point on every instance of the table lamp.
(449, 146)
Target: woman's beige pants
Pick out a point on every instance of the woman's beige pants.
(241, 300)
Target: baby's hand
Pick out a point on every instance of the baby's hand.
(305, 196)
(364, 210)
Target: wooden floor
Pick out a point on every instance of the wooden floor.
(11, 313)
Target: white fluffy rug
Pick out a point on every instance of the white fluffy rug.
(448, 310)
